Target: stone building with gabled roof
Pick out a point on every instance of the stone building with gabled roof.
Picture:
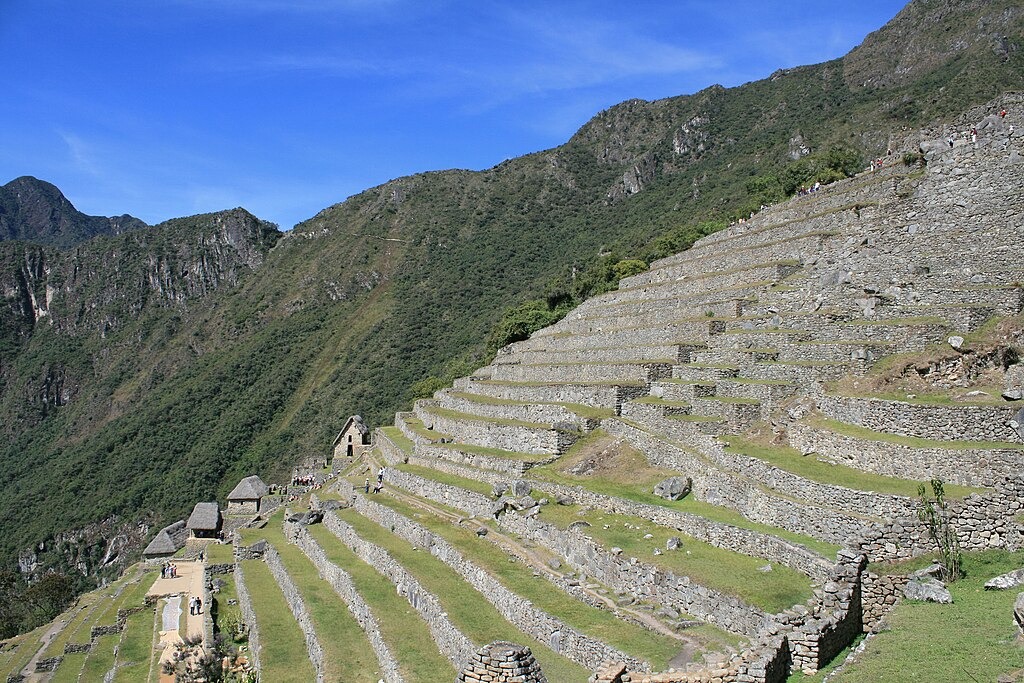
(204, 522)
(352, 440)
(245, 498)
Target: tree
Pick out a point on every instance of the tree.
(934, 512)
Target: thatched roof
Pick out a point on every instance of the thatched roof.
(358, 423)
(162, 544)
(204, 517)
(250, 488)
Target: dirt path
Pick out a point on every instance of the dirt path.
(176, 594)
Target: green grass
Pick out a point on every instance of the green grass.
(826, 472)
(729, 572)
(492, 452)
(440, 477)
(89, 603)
(859, 432)
(348, 656)
(25, 646)
(405, 632)
(223, 613)
(519, 578)
(283, 654)
(468, 610)
(969, 640)
(69, 669)
(136, 651)
(395, 436)
(219, 553)
(101, 657)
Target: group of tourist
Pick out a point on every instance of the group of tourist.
(169, 570)
(379, 486)
(303, 480)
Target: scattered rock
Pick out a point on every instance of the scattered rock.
(765, 569)
(579, 524)
(674, 488)
(556, 565)
(673, 543)
(481, 532)
(1018, 612)
(933, 571)
(499, 489)
(956, 341)
(521, 488)
(563, 500)
(927, 590)
(616, 550)
(1013, 394)
(1007, 580)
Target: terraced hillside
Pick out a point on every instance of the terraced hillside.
(793, 378)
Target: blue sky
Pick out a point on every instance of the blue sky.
(165, 108)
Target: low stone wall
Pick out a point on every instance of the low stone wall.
(879, 594)
(541, 413)
(597, 372)
(720, 535)
(48, 664)
(342, 584)
(967, 466)
(643, 580)
(598, 396)
(509, 437)
(71, 648)
(950, 423)
(249, 617)
(982, 522)
(747, 497)
(299, 611)
(549, 630)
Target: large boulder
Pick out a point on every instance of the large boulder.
(673, 488)
(927, 590)
(1018, 612)
(1007, 580)
(521, 488)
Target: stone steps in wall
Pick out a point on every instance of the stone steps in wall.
(642, 372)
(490, 432)
(607, 395)
(978, 463)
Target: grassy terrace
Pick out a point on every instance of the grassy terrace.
(88, 606)
(219, 553)
(730, 572)
(474, 485)
(18, 651)
(581, 410)
(405, 632)
(283, 650)
(468, 610)
(135, 654)
(933, 642)
(633, 478)
(348, 656)
(520, 579)
(100, 659)
(936, 397)
(417, 426)
(827, 472)
(395, 436)
(866, 434)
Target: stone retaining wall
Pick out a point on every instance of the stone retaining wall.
(569, 372)
(495, 434)
(542, 413)
(598, 396)
(519, 611)
(249, 617)
(737, 539)
(743, 495)
(299, 611)
(966, 466)
(342, 584)
(949, 423)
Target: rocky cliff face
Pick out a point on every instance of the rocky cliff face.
(36, 211)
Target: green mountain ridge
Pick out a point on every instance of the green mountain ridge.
(144, 371)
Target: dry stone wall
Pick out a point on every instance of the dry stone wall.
(298, 608)
(549, 630)
(341, 582)
(248, 616)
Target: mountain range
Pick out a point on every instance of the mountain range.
(143, 368)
